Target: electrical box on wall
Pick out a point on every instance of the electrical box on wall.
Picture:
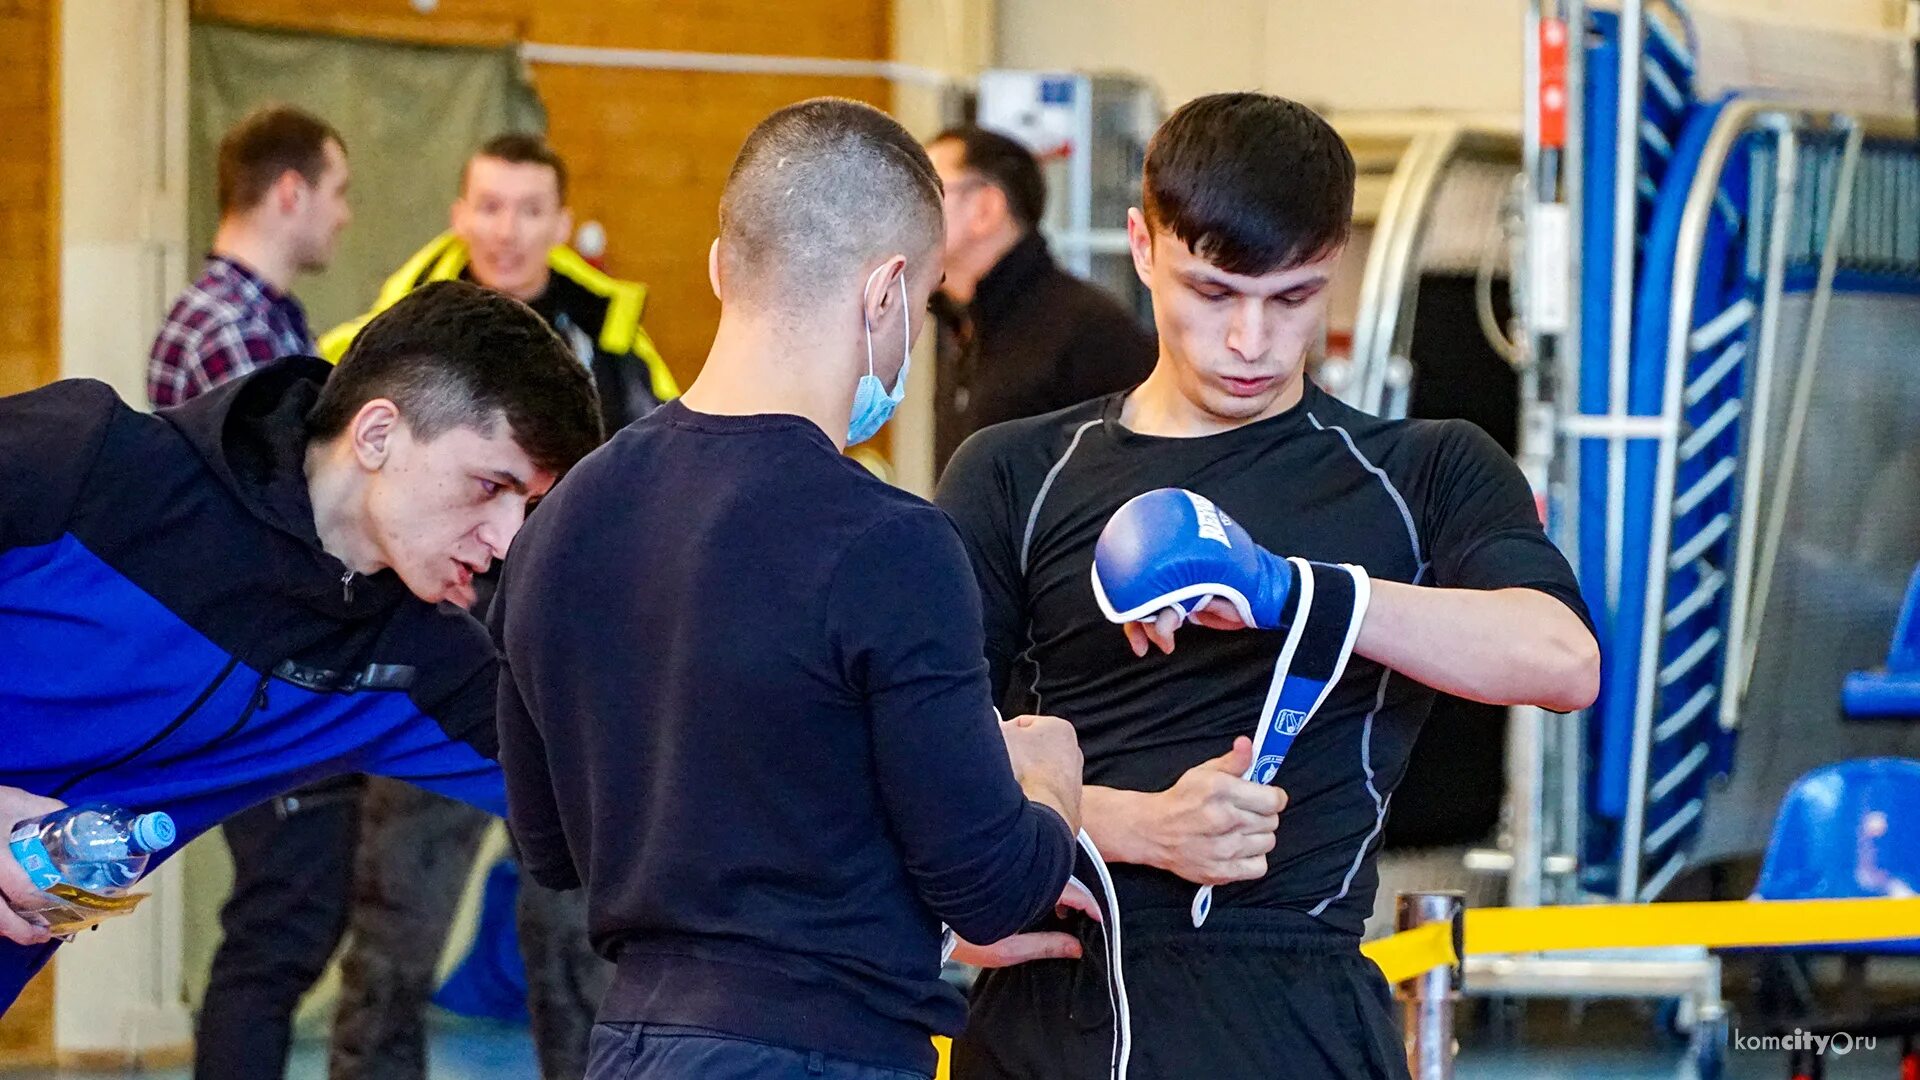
(1090, 133)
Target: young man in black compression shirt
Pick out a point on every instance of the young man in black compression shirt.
(1244, 212)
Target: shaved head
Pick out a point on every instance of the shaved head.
(821, 191)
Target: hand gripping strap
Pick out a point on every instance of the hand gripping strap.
(1331, 603)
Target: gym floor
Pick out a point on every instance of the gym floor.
(1613, 1042)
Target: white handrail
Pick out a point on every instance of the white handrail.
(1735, 121)
(1837, 225)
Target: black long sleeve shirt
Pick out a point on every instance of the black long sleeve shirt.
(745, 701)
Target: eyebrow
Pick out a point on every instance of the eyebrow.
(1317, 281)
(507, 479)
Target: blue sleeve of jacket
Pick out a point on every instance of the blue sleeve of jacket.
(49, 441)
(420, 751)
(904, 615)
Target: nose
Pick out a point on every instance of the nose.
(496, 533)
(1250, 328)
(500, 226)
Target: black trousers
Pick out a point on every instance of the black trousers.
(1252, 996)
(416, 852)
(390, 864)
(292, 873)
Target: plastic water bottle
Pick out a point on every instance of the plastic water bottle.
(102, 849)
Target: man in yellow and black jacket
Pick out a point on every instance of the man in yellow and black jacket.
(509, 232)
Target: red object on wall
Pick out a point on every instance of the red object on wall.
(1553, 84)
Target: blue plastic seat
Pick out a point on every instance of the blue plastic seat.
(1845, 831)
(1893, 691)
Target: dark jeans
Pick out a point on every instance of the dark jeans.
(416, 852)
(668, 1052)
(391, 863)
(292, 869)
(565, 978)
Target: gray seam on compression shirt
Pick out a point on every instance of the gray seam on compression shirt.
(1406, 516)
(1380, 696)
(1033, 515)
(1026, 544)
(1379, 804)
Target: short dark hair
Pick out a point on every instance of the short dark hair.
(256, 152)
(1006, 164)
(519, 148)
(1251, 182)
(452, 354)
(817, 190)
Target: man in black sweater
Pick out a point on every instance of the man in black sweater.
(1019, 336)
(767, 749)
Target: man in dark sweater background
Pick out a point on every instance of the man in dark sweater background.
(768, 749)
(1018, 335)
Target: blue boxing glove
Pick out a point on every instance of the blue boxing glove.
(1171, 548)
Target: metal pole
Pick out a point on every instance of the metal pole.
(1427, 999)
(1626, 198)
(1526, 795)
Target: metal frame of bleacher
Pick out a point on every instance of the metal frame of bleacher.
(1706, 579)
(1767, 198)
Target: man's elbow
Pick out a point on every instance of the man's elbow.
(1571, 668)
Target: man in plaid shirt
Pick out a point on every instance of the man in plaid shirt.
(282, 189)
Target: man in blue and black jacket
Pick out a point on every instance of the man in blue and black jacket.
(207, 607)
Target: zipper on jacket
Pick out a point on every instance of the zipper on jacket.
(346, 586)
(185, 714)
(255, 704)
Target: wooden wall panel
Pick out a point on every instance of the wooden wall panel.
(452, 22)
(857, 29)
(29, 197)
(649, 152)
(29, 321)
(26, 1031)
(861, 29)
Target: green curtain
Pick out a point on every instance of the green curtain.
(410, 115)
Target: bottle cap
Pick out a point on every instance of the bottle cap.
(151, 832)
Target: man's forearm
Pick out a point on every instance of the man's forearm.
(1500, 646)
(1113, 818)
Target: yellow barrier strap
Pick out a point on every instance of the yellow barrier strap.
(1722, 924)
(1725, 924)
(1412, 952)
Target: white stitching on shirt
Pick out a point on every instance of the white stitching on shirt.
(1026, 544)
(1380, 694)
(1033, 514)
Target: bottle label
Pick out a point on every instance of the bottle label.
(31, 854)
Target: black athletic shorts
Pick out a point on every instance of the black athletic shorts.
(1256, 994)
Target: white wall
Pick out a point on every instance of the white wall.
(123, 183)
(1189, 48)
(122, 129)
(1460, 55)
(953, 38)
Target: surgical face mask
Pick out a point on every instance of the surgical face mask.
(873, 403)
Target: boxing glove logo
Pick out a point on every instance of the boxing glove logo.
(1209, 518)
